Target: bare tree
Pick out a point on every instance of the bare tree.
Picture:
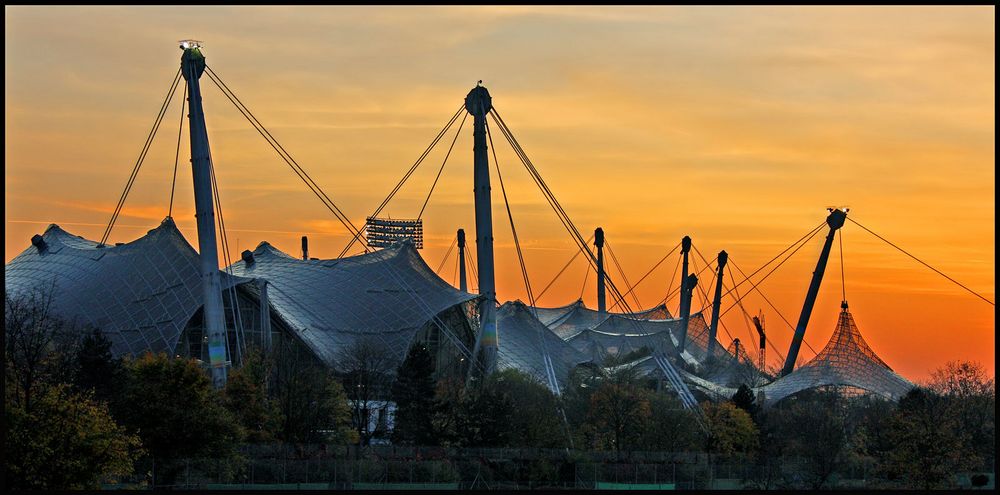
(367, 366)
(35, 339)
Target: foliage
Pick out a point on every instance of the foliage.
(36, 346)
(175, 410)
(972, 394)
(66, 441)
(96, 369)
(813, 428)
(670, 427)
(312, 404)
(926, 442)
(619, 409)
(246, 397)
(367, 370)
(745, 399)
(535, 418)
(413, 392)
(730, 429)
(486, 411)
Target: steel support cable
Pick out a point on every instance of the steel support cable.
(714, 267)
(278, 148)
(282, 153)
(743, 311)
(843, 278)
(668, 370)
(586, 276)
(939, 272)
(550, 197)
(443, 162)
(546, 194)
(470, 261)
(142, 156)
(409, 172)
(177, 154)
(454, 277)
(746, 315)
(510, 217)
(648, 273)
(678, 289)
(769, 303)
(711, 285)
(575, 254)
(234, 306)
(673, 276)
(446, 255)
(546, 358)
(769, 273)
(614, 258)
(808, 234)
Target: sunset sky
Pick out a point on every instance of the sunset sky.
(736, 126)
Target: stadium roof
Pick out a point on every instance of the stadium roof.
(140, 294)
(567, 321)
(845, 361)
(522, 340)
(388, 295)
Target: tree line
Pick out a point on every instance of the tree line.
(78, 417)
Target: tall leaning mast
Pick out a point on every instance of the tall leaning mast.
(478, 103)
(192, 66)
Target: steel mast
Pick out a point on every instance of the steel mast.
(602, 306)
(192, 66)
(835, 220)
(478, 103)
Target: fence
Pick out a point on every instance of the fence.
(440, 469)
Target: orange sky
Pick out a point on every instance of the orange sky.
(736, 126)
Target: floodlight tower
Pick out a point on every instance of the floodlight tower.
(835, 220)
(192, 66)
(602, 306)
(478, 103)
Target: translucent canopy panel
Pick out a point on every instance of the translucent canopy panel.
(388, 296)
(524, 341)
(845, 361)
(567, 321)
(140, 294)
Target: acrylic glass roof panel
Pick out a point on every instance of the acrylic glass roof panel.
(846, 360)
(522, 338)
(567, 321)
(140, 294)
(387, 295)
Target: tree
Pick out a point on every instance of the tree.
(312, 403)
(927, 443)
(730, 429)
(413, 392)
(176, 412)
(535, 417)
(367, 367)
(972, 393)
(813, 428)
(67, 441)
(619, 410)
(96, 368)
(35, 347)
(486, 412)
(246, 397)
(745, 400)
(670, 427)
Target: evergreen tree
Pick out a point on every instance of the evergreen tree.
(413, 393)
(96, 367)
(744, 399)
